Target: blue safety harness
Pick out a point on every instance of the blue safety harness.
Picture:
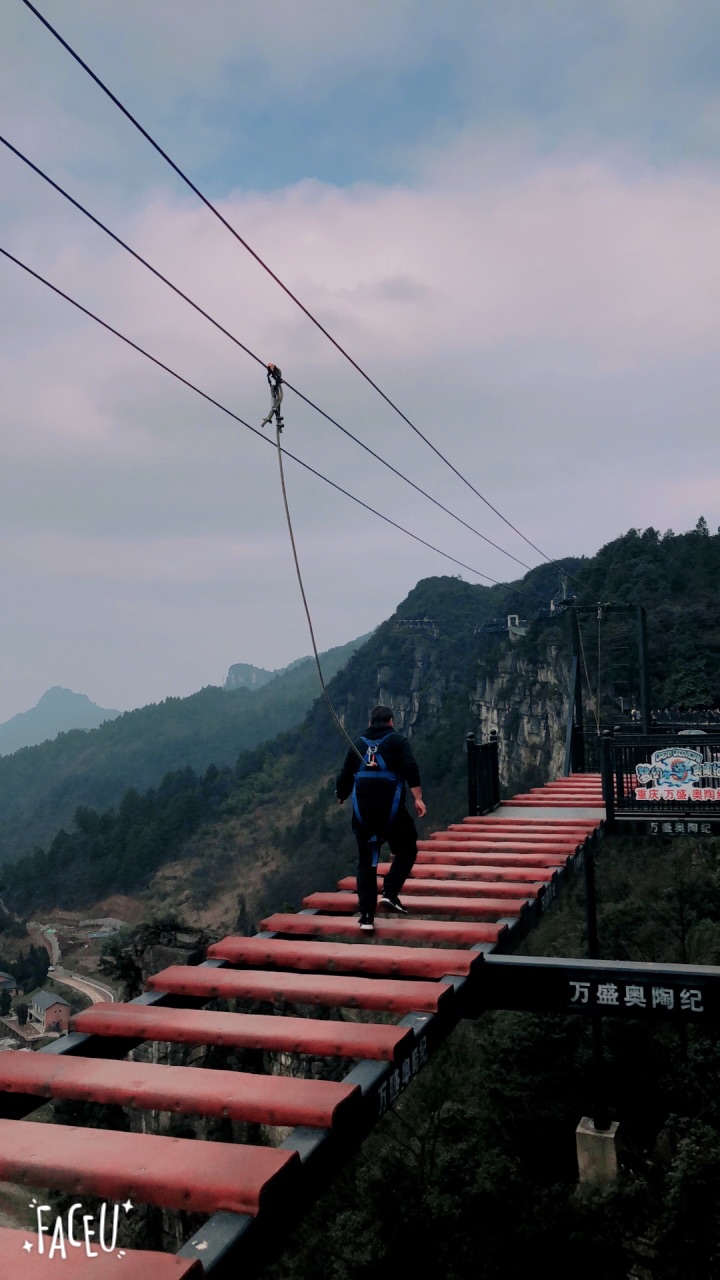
(374, 769)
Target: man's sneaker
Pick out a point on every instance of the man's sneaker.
(366, 924)
(391, 903)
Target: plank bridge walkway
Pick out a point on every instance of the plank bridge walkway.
(476, 887)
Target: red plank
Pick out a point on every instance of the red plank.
(321, 1037)
(510, 840)
(343, 957)
(571, 827)
(438, 854)
(458, 843)
(347, 992)
(446, 932)
(174, 1173)
(446, 871)
(16, 1263)
(528, 824)
(568, 802)
(455, 888)
(144, 1086)
(482, 909)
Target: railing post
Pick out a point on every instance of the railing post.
(643, 669)
(495, 767)
(606, 773)
(578, 735)
(472, 775)
(600, 1114)
(568, 761)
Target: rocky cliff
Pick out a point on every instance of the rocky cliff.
(526, 702)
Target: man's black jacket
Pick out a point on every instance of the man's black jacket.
(396, 753)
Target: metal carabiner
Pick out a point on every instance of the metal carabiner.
(274, 377)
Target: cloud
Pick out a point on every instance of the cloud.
(537, 290)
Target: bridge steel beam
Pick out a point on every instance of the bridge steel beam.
(231, 1239)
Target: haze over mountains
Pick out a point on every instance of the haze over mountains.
(242, 675)
(41, 786)
(57, 711)
(242, 779)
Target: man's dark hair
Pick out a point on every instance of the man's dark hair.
(381, 715)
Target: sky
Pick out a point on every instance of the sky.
(507, 214)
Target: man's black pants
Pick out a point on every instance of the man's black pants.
(402, 839)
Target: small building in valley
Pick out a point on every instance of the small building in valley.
(49, 1012)
(8, 983)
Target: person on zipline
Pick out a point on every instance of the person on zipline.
(375, 774)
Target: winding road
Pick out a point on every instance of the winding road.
(88, 986)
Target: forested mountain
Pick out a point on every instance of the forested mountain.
(268, 827)
(58, 711)
(42, 786)
(243, 675)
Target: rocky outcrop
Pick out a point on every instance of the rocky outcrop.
(526, 704)
(503, 687)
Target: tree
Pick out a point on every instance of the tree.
(5, 1004)
(22, 1013)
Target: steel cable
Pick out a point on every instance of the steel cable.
(261, 262)
(333, 713)
(223, 408)
(216, 323)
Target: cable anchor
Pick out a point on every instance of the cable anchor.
(275, 382)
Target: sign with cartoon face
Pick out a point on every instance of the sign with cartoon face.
(677, 773)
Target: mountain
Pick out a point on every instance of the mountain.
(42, 786)
(58, 711)
(264, 828)
(249, 838)
(244, 676)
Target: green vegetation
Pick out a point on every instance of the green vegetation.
(29, 969)
(41, 787)
(117, 851)
(127, 952)
(287, 783)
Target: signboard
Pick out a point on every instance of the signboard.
(402, 1075)
(678, 773)
(681, 993)
(683, 828)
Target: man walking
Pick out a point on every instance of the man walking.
(376, 774)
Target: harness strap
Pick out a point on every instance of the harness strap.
(379, 770)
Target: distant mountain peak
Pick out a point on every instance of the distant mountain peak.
(57, 694)
(58, 711)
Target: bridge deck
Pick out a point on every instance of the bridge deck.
(175, 1173)
(446, 871)
(143, 1086)
(319, 1038)
(485, 877)
(462, 888)
(482, 909)
(391, 994)
(328, 957)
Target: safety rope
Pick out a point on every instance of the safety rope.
(594, 705)
(599, 622)
(274, 377)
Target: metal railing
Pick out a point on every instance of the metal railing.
(483, 775)
(582, 751)
(655, 776)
